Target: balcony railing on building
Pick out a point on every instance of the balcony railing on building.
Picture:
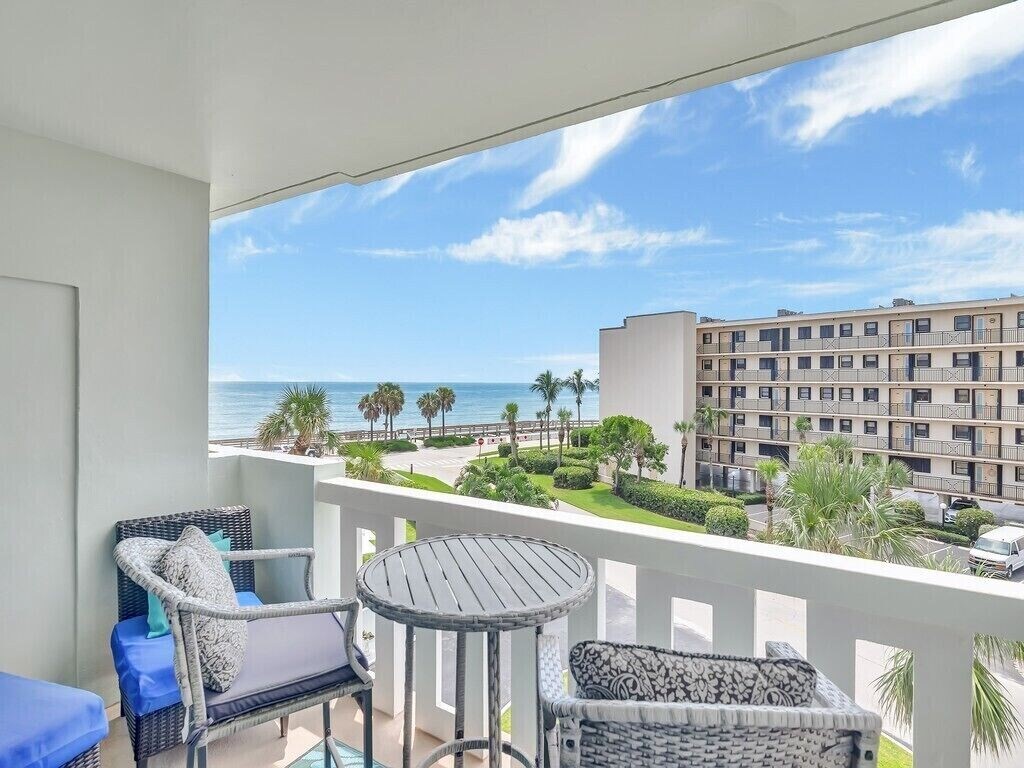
(947, 411)
(900, 375)
(879, 341)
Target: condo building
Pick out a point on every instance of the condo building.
(938, 386)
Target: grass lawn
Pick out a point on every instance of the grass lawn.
(893, 755)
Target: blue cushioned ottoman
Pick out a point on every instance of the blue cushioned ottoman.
(44, 725)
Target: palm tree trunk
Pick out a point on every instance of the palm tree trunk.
(579, 424)
(371, 430)
(769, 501)
(442, 422)
(682, 463)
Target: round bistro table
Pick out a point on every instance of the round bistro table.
(473, 583)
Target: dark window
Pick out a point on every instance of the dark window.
(741, 364)
(764, 421)
(739, 391)
(705, 364)
(1020, 437)
(739, 419)
(826, 361)
(961, 359)
(961, 432)
(1020, 397)
(764, 393)
(961, 468)
(705, 443)
(846, 393)
(826, 393)
(846, 425)
(826, 331)
(922, 395)
(846, 361)
(706, 338)
(870, 427)
(962, 323)
(706, 391)
(923, 325)
(803, 332)
(871, 328)
(1020, 358)
(962, 396)
(766, 363)
(826, 425)
(923, 361)
(1020, 319)
(870, 361)
(916, 463)
(870, 394)
(740, 447)
(1019, 474)
(920, 430)
(738, 336)
(846, 329)
(804, 393)
(803, 363)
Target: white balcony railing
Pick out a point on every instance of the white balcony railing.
(934, 614)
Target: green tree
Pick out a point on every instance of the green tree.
(650, 454)
(564, 418)
(802, 426)
(684, 428)
(365, 461)
(430, 405)
(392, 400)
(707, 417)
(510, 415)
(578, 385)
(841, 447)
(446, 396)
(500, 482)
(614, 439)
(547, 385)
(769, 470)
(303, 415)
(370, 409)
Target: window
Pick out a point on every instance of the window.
(846, 361)
(920, 430)
(870, 394)
(871, 328)
(826, 425)
(923, 361)
(739, 447)
(825, 393)
(740, 365)
(846, 425)
(705, 443)
(706, 338)
(706, 391)
(1020, 437)
(826, 331)
(803, 332)
(922, 395)
(916, 463)
(764, 421)
(846, 329)
(963, 396)
(870, 361)
(962, 323)
(1019, 475)
(765, 393)
(705, 364)
(739, 391)
(739, 336)
(804, 393)
(739, 419)
(766, 363)
(961, 432)
(1020, 359)
(1020, 319)
(826, 361)
(923, 325)
(961, 468)
(846, 393)
(870, 427)
(803, 363)
(1020, 397)
(961, 359)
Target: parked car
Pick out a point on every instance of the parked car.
(949, 517)
(999, 552)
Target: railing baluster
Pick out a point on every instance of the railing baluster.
(389, 641)
(831, 646)
(524, 691)
(654, 593)
(942, 700)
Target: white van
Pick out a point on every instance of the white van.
(1000, 551)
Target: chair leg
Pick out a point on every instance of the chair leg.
(327, 735)
(284, 726)
(190, 756)
(366, 701)
(142, 762)
(202, 756)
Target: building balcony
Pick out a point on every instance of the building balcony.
(880, 341)
(896, 375)
(942, 411)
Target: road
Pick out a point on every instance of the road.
(779, 617)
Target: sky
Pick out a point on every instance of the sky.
(893, 169)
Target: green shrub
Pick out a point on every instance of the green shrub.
(505, 450)
(581, 434)
(750, 498)
(448, 441)
(911, 510)
(538, 462)
(572, 452)
(727, 520)
(986, 528)
(388, 446)
(590, 466)
(946, 536)
(665, 499)
(576, 478)
(970, 519)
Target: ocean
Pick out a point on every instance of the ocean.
(236, 407)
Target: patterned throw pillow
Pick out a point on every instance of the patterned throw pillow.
(193, 565)
(644, 673)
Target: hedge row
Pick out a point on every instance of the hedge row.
(911, 510)
(946, 536)
(727, 521)
(970, 519)
(575, 478)
(665, 499)
(448, 441)
(388, 446)
(505, 450)
(581, 435)
(749, 499)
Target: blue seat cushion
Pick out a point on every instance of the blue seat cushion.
(285, 658)
(44, 725)
(145, 666)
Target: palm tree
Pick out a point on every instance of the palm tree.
(430, 405)
(547, 385)
(684, 428)
(446, 396)
(302, 413)
(392, 400)
(564, 417)
(769, 470)
(370, 409)
(707, 418)
(510, 415)
(365, 461)
(540, 417)
(802, 426)
(579, 386)
(841, 447)
(500, 483)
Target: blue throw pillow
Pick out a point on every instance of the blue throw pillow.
(157, 619)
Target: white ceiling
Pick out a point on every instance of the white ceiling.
(268, 99)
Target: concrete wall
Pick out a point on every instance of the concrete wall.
(647, 372)
(103, 349)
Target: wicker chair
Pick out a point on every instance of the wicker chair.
(599, 733)
(141, 545)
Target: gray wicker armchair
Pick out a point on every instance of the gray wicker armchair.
(829, 731)
(319, 634)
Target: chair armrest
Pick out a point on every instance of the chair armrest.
(272, 611)
(275, 554)
(826, 692)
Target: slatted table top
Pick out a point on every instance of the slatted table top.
(475, 582)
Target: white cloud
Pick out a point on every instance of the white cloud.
(305, 205)
(821, 288)
(753, 82)
(910, 74)
(381, 190)
(965, 164)
(581, 149)
(218, 225)
(794, 246)
(247, 247)
(551, 237)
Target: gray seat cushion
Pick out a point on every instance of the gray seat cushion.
(287, 657)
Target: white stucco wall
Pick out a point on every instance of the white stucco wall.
(126, 246)
(647, 371)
